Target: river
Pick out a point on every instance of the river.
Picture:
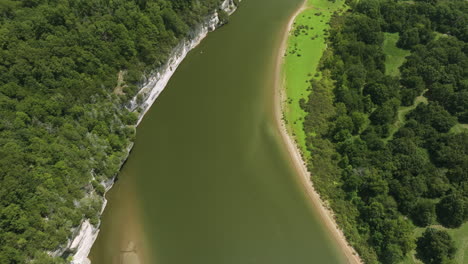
(209, 180)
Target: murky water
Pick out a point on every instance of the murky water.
(209, 181)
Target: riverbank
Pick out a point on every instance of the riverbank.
(234, 200)
(85, 236)
(316, 202)
(130, 244)
(157, 80)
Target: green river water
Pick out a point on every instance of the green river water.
(209, 180)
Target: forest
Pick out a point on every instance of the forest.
(390, 152)
(64, 130)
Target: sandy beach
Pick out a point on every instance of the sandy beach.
(326, 215)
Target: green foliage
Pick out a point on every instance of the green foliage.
(62, 129)
(452, 210)
(306, 44)
(394, 55)
(435, 247)
(379, 178)
(438, 65)
(433, 115)
(423, 213)
(223, 16)
(385, 113)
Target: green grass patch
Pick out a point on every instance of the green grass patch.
(306, 44)
(459, 236)
(394, 56)
(439, 35)
(402, 112)
(459, 128)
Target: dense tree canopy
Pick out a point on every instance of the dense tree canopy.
(452, 210)
(435, 247)
(63, 129)
(385, 159)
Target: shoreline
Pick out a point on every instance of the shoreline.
(131, 242)
(326, 214)
(159, 78)
(82, 241)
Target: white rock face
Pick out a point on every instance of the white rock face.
(158, 80)
(82, 243)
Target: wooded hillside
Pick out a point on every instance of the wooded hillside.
(63, 129)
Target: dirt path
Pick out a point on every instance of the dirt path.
(326, 214)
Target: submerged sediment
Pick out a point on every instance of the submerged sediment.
(85, 235)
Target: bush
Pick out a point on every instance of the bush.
(435, 247)
(452, 210)
(423, 213)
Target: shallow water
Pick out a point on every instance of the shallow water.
(209, 180)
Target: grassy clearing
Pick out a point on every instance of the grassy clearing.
(402, 112)
(458, 128)
(394, 56)
(459, 235)
(306, 44)
(118, 90)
